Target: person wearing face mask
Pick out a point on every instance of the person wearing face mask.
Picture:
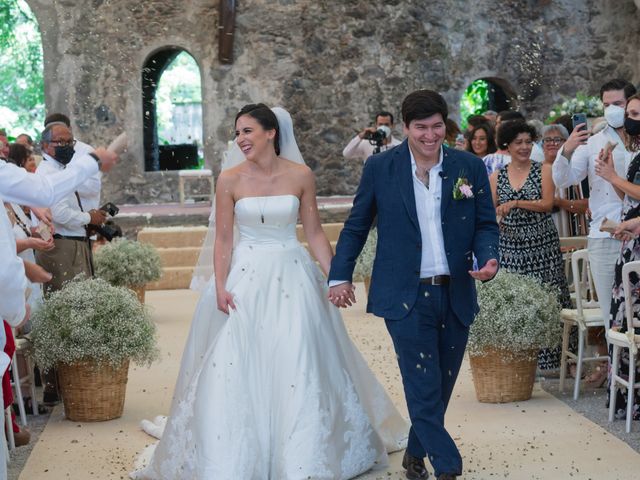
(72, 252)
(576, 160)
(628, 187)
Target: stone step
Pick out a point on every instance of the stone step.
(173, 236)
(173, 278)
(331, 230)
(179, 256)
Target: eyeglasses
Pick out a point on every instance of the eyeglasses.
(69, 143)
(553, 140)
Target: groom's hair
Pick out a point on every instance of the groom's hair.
(265, 117)
(422, 104)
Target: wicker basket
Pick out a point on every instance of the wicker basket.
(139, 291)
(91, 393)
(500, 376)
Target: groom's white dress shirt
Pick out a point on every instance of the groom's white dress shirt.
(428, 200)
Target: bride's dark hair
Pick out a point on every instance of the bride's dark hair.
(265, 117)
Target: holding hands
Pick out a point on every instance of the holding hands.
(342, 295)
(627, 230)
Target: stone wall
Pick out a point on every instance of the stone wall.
(332, 64)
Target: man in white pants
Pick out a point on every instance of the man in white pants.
(575, 161)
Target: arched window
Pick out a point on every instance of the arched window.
(486, 94)
(172, 111)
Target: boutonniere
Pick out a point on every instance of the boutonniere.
(462, 189)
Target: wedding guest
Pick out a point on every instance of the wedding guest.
(537, 154)
(474, 121)
(569, 200)
(498, 159)
(577, 160)
(360, 148)
(4, 145)
(22, 157)
(89, 191)
(481, 141)
(629, 187)
(454, 137)
(491, 116)
(529, 243)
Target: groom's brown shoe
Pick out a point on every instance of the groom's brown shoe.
(415, 467)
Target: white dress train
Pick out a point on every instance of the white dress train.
(276, 390)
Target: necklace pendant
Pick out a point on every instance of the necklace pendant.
(262, 218)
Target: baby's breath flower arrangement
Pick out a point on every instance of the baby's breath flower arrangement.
(93, 320)
(128, 263)
(591, 106)
(364, 264)
(517, 314)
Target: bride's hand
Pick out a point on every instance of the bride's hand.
(225, 301)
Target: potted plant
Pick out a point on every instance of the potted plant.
(518, 317)
(127, 263)
(89, 331)
(364, 264)
(591, 106)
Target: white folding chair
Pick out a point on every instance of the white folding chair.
(628, 340)
(581, 317)
(23, 347)
(8, 428)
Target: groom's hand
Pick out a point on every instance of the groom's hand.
(487, 272)
(342, 295)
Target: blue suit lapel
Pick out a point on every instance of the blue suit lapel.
(449, 178)
(402, 164)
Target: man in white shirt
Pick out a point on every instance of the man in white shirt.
(72, 254)
(361, 148)
(89, 191)
(577, 160)
(19, 186)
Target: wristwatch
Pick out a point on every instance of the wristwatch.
(97, 159)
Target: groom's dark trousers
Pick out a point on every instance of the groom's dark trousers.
(430, 344)
(428, 323)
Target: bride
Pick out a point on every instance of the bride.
(271, 386)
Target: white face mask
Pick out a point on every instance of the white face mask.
(614, 115)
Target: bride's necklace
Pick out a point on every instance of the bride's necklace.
(261, 206)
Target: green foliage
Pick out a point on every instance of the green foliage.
(90, 319)
(582, 103)
(21, 71)
(128, 263)
(474, 101)
(517, 314)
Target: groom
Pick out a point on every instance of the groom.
(434, 212)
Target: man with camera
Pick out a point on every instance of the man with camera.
(71, 220)
(372, 139)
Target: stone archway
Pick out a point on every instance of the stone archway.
(165, 155)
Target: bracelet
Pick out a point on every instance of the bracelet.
(571, 206)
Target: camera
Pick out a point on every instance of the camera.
(109, 230)
(378, 136)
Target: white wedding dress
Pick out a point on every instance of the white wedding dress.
(276, 390)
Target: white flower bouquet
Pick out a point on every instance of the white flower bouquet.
(591, 106)
(91, 319)
(364, 264)
(128, 263)
(517, 314)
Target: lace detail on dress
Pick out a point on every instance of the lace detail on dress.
(360, 454)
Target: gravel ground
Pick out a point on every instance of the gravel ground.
(20, 455)
(592, 404)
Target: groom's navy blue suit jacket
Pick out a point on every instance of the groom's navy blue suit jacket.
(468, 227)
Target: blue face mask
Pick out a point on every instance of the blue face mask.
(64, 154)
